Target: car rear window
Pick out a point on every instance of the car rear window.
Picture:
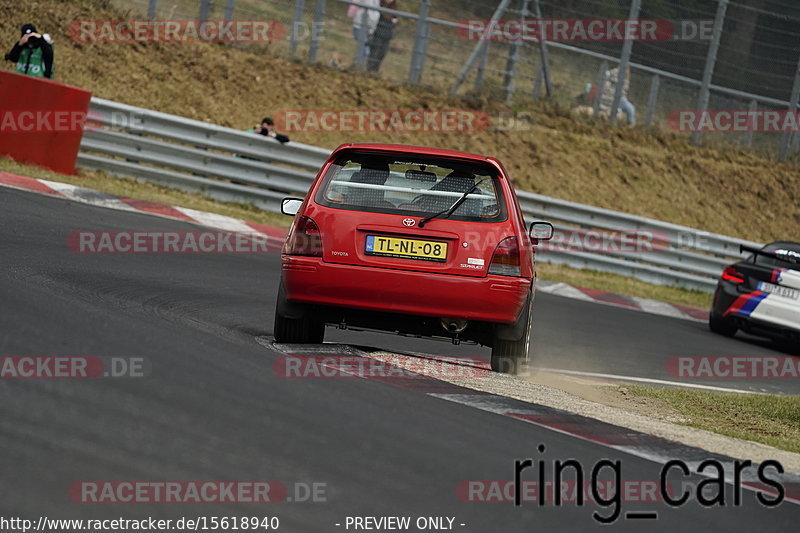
(413, 185)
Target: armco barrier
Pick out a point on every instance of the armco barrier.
(41, 121)
(236, 166)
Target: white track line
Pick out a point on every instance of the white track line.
(647, 380)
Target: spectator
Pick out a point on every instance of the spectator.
(267, 128)
(379, 44)
(33, 53)
(587, 97)
(607, 96)
(363, 16)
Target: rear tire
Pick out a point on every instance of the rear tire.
(510, 357)
(721, 326)
(304, 329)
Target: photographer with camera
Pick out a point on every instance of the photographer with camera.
(267, 128)
(33, 53)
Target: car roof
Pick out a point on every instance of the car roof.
(417, 150)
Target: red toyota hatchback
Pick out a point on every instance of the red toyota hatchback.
(411, 240)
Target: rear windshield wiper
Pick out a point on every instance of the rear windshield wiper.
(449, 211)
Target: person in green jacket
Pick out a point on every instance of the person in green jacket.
(33, 53)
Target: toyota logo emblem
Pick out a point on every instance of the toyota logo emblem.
(408, 222)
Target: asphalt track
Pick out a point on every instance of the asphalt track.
(211, 408)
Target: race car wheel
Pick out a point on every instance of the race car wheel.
(721, 326)
(510, 357)
(302, 327)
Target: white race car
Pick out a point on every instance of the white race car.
(761, 294)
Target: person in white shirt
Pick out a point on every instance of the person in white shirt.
(364, 16)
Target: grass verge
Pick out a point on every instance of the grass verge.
(767, 419)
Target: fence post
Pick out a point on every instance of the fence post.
(420, 44)
(363, 34)
(652, 98)
(548, 83)
(624, 59)
(205, 10)
(479, 48)
(513, 56)
(151, 9)
(481, 67)
(795, 143)
(711, 60)
(747, 140)
(316, 29)
(601, 83)
(229, 9)
(787, 135)
(299, 7)
(537, 84)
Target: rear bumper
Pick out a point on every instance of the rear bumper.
(497, 299)
(758, 312)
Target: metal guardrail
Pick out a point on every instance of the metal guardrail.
(195, 156)
(236, 166)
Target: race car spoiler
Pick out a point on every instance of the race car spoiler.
(790, 256)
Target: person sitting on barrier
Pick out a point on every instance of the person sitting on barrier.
(267, 128)
(33, 53)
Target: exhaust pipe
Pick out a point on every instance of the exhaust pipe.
(454, 326)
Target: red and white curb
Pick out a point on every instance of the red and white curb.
(277, 235)
(635, 303)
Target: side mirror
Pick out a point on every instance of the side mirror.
(290, 206)
(541, 231)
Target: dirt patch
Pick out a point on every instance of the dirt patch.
(610, 394)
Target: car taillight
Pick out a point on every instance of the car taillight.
(733, 275)
(305, 239)
(506, 259)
